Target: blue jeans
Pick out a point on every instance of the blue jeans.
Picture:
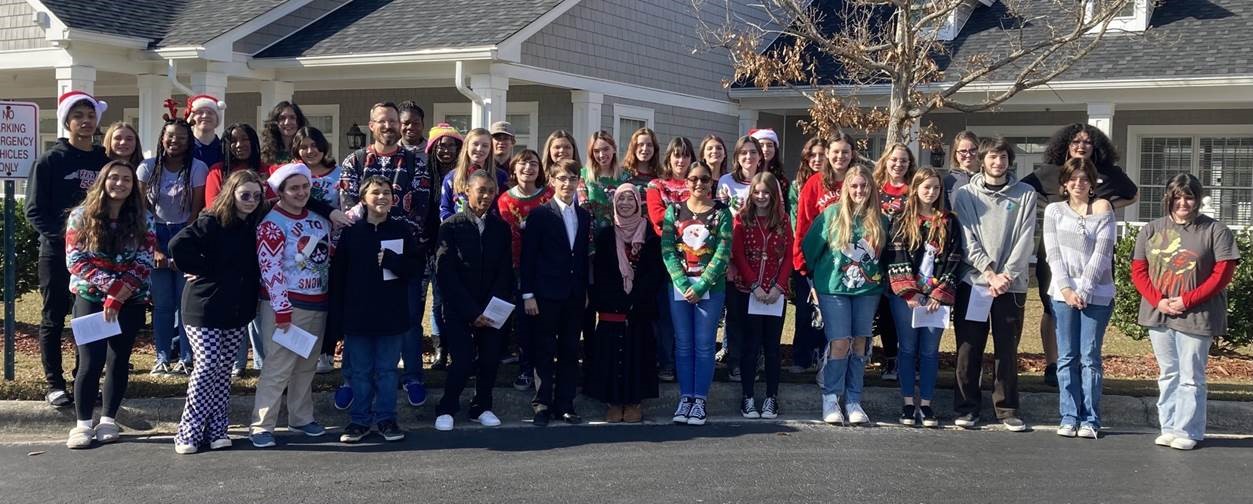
(1181, 402)
(1080, 334)
(258, 348)
(806, 340)
(373, 379)
(695, 328)
(167, 294)
(847, 317)
(915, 344)
(664, 328)
(411, 348)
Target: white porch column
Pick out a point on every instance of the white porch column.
(212, 84)
(494, 90)
(273, 92)
(587, 118)
(153, 90)
(77, 78)
(748, 120)
(1101, 116)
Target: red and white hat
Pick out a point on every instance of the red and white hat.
(764, 134)
(204, 101)
(287, 171)
(68, 99)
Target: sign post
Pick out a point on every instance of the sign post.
(19, 148)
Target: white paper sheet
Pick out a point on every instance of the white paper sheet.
(678, 295)
(296, 339)
(397, 246)
(497, 312)
(756, 307)
(938, 318)
(980, 304)
(92, 328)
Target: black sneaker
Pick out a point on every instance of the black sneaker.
(889, 370)
(1050, 375)
(1014, 424)
(522, 382)
(928, 417)
(748, 408)
(697, 416)
(967, 421)
(908, 414)
(770, 408)
(391, 431)
(354, 433)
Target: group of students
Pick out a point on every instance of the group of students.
(620, 272)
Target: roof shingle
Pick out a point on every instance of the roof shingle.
(165, 22)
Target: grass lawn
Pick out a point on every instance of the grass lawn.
(1129, 367)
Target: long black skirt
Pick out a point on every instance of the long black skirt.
(622, 363)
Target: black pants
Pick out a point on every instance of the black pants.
(1005, 321)
(736, 309)
(761, 332)
(464, 344)
(110, 357)
(556, 336)
(885, 325)
(54, 287)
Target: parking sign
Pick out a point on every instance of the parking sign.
(19, 138)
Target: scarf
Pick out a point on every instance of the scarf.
(629, 230)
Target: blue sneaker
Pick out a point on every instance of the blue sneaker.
(311, 429)
(416, 392)
(343, 397)
(262, 439)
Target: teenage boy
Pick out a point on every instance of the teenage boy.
(204, 113)
(59, 182)
(503, 141)
(554, 270)
(412, 125)
(997, 215)
(473, 265)
(416, 194)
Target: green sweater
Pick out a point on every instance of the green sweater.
(857, 270)
(697, 247)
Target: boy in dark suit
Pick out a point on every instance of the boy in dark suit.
(555, 270)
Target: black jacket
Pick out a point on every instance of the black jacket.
(224, 261)
(57, 183)
(471, 268)
(550, 268)
(607, 293)
(362, 303)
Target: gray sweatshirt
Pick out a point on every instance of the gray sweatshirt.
(998, 228)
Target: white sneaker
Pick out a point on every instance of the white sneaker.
(831, 409)
(1066, 430)
(443, 423)
(856, 415)
(1183, 443)
(219, 444)
(1087, 431)
(326, 364)
(1164, 440)
(184, 449)
(487, 418)
(80, 437)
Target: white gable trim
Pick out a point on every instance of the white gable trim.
(613, 88)
(511, 48)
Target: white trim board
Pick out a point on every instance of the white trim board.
(511, 48)
(623, 111)
(609, 88)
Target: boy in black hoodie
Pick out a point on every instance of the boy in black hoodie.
(368, 301)
(59, 182)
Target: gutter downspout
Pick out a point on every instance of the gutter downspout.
(171, 73)
(459, 80)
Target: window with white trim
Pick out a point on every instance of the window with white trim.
(523, 116)
(1133, 16)
(626, 120)
(1223, 163)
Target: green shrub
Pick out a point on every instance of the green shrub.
(26, 248)
(1239, 295)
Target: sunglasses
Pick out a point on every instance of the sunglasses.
(251, 196)
(701, 179)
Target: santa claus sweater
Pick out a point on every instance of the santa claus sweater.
(696, 247)
(294, 253)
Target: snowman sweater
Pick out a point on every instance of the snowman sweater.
(294, 253)
(696, 247)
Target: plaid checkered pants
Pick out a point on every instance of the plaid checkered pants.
(206, 415)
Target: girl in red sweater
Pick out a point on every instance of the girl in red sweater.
(761, 246)
(822, 190)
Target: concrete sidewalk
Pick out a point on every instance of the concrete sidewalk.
(798, 402)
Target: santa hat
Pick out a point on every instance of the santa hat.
(439, 131)
(764, 134)
(287, 171)
(70, 98)
(204, 101)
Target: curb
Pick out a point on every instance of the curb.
(797, 402)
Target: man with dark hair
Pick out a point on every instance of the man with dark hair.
(57, 183)
(412, 125)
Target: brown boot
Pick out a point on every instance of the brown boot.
(614, 414)
(632, 413)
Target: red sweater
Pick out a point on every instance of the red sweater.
(762, 257)
(892, 199)
(514, 210)
(660, 194)
(815, 197)
(1217, 281)
(213, 183)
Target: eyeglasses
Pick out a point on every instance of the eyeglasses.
(566, 178)
(250, 196)
(703, 179)
(967, 152)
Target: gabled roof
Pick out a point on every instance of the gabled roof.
(1186, 38)
(380, 26)
(165, 23)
